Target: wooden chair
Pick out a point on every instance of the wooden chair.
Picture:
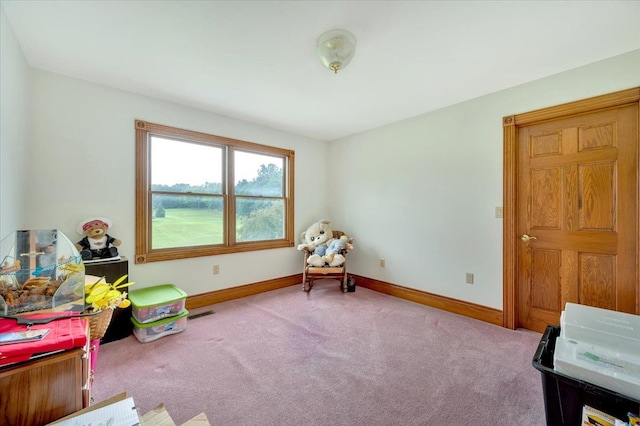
(312, 273)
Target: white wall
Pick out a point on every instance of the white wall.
(14, 130)
(421, 193)
(84, 146)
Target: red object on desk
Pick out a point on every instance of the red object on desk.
(64, 334)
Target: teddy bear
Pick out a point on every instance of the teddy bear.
(319, 240)
(96, 244)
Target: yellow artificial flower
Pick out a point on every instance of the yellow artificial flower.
(101, 295)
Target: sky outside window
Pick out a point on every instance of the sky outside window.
(195, 164)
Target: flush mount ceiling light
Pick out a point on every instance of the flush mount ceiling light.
(335, 49)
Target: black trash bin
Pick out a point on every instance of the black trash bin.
(351, 285)
(565, 396)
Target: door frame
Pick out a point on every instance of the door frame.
(510, 239)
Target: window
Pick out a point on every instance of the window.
(201, 195)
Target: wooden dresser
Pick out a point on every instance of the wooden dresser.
(45, 389)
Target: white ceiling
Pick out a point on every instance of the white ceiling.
(255, 60)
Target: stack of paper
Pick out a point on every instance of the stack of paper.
(120, 410)
(120, 413)
(601, 347)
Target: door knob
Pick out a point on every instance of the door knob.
(526, 238)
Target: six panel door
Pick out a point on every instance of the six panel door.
(577, 202)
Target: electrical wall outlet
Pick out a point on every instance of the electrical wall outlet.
(383, 263)
(469, 279)
(216, 269)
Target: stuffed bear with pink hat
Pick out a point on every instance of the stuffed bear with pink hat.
(96, 244)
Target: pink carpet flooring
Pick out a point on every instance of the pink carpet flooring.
(330, 358)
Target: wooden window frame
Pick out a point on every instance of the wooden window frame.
(144, 209)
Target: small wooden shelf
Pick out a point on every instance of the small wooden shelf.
(121, 325)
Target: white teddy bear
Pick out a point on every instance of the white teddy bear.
(319, 240)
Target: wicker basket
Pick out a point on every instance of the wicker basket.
(98, 323)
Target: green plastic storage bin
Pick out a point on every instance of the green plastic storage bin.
(153, 303)
(157, 329)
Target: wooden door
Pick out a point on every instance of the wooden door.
(575, 215)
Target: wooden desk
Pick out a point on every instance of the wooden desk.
(45, 389)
